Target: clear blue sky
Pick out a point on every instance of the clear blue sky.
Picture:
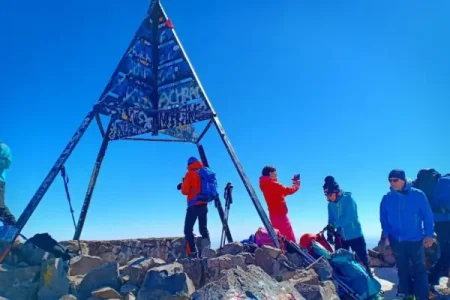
(348, 88)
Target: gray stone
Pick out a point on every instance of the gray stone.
(265, 261)
(74, 283)
(166, 282)
(272, 251)
(208, 253)
(137, 268)
(232, 248)
(53, 281)
(106, 275)
(128, 288)
(83, 264)
(106, 293)
(19, 283)
(194, 270)
(34, 256)
(68, 297)
(296, 259)
(248, 258)
(323, 269)
(325, 291)
(305, 277)
(215, 267)
(251, 284)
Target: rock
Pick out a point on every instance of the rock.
(326, 291)
(323, 269)
(53, 282)
(296, 259)
(68, 297)
(286, 269)
(272, 251)
(19, 283)
(251, 284)
(106, 275)
(377, 263)
(166, 282)
(216, 266)
(248, 258)
(106, 293)
(232, 248)
(74, 283)
(208, 253)
(32, 255)
(83, 264)
(194, 270)
(305, 277)
(137, 268)
(128, 288)
(385, 252)
(129, 296)
(264, 260)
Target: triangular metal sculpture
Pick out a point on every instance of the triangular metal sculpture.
(153, 90)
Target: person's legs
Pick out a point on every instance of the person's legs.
(402, 262)
(202, 213)
(5, 215)
(442, 230)
(283, 224)
(189, 222)
(359, 246)
(416, 253)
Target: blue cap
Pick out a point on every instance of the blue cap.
(192, 160)
(397, 173)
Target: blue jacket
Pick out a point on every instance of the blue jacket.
(5, 160)
(403, 213)
(343, 215)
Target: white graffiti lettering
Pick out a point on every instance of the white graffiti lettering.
(179, 95)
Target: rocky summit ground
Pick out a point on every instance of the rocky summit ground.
(159, 269)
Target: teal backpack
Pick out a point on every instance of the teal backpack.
(355, 275)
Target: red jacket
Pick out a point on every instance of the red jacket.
(275, 193)
(191, 184)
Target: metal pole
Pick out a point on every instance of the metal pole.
(92, 182)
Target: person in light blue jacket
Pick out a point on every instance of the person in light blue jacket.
(407, 225)
(343, 216)
(5, 161)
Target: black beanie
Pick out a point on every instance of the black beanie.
(397, 173)
(330, 185)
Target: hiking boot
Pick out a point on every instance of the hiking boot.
(193, 255)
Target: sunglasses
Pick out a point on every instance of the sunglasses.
(395, 180)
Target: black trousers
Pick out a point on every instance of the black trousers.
(5, 215)
(359, 246)
(442, 230)
(193, 213)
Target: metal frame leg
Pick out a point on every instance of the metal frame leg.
(92, 182)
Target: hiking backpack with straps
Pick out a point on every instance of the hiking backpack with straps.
(208, 186)
(441, 200)
(426, 182)
(355, 275)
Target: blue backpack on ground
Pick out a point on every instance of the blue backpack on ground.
(208, 186)
(355, 275)
(441, 200)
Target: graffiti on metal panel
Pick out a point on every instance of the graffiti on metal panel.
(139, 60)
(125, 129)
(169, 51)
(185, 132)
(173, 71)
(165, 33)
(188, 114)
(178, 94)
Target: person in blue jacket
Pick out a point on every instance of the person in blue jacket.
(5, 161)
(343, 216)
(407, 225)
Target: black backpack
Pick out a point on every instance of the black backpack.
(426, 182)
(45, 242)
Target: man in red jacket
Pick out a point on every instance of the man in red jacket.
(275, 193)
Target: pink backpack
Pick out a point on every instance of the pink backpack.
(262, 237)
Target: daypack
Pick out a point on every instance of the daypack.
(355, 275)
(208, 186)
(441, 201)
(262, 237)
(45, 242)
(426, 182)
(306, 241)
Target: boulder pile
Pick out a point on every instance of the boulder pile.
(232, 272)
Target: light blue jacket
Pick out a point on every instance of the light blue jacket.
(343, 215)
(5, 160)
(406, 215)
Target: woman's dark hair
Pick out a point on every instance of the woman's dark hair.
(267, 170)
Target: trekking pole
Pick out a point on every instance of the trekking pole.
(4, 224)
(228, 200)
